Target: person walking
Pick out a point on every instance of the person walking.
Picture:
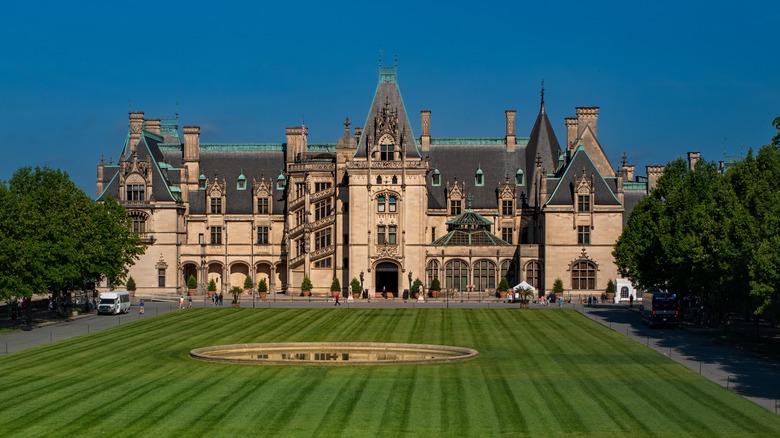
(189, 302)
(220, 298)
(141, 306)
(181, 302)
(336, 296)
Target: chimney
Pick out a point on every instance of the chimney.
(510, 130)
(296, 142)
(153, 126)
(425, 140)
(136, 125)
(358, 133)
(101, 166)
(588, 116)
(628, 172)
(693, 158)
(192, 143)
(653, 174)
(571, 133)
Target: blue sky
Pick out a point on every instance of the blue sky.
(670, 77)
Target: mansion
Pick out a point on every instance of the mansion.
(381, 205)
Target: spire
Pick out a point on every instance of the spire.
(542, 111)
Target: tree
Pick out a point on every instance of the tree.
(557, 286)
(248, 284)
(355, 285)
(236, 291)
(192, 283)
(306, 283)
(212, 287)
(503, 285)
(130, 285)
(335, 286)
(416, 286)
(262, 286)
(436, 284)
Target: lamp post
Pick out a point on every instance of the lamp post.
(361, 284)
(410, 283)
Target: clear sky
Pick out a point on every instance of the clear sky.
(670, 76)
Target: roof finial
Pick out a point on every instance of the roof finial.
(380, 57)
(468, 202)
(623, 160)
(542, 94)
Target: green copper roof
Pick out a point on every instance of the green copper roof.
(469, 220)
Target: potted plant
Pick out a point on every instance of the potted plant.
(212, 287)
(525, 297)
(610, 291)
(558, 288)
(192, 285)
(435, 288)
(236, 291)
(335, 287)
(355, 286)
(262, 288)
(306, 286)
(248, 284)
(416, 288)
(503, 287)
(130, 286)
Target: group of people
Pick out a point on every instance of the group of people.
(216, 299)
(189, 302)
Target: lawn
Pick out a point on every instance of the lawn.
(539, 373)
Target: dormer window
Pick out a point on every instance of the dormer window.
(241, 182)
(436, 178)
(202, 182)
(479, 178)
(583, 203)
(281, 181)
(519, 177)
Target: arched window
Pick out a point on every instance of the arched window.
(509, 271)
(583, 275)
(432, 272)
(484, 275)
(457, 275)
(533, 273)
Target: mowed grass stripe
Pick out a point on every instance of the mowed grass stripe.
(547, 363)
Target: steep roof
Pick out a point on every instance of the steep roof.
(469, 229)
(387, 96)
(544, 147)
(580, 163)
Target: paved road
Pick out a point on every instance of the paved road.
(754, 378)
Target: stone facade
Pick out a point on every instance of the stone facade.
(380, 205)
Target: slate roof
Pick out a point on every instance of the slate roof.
(230, 164)
(463, 161)
(563, 185)
(542, 144)
(387, 92)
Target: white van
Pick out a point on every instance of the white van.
(114, 302)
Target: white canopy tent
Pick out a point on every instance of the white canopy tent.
(523, 285)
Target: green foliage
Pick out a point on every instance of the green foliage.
(306, 283)
(355, 285)
(130, 285)
(503, 285)
(192, 283)
(557, 286)
(566, 354)
(335, 285)
(262, 286)
(248, 284)
(212, 287)
(436, 284)
(610, 287)
(54, 238)
(236, 291)
(416, 286)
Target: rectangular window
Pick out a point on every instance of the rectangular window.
(216, 205)
(299, 217)
(324, 263)
(136, 192)
(321, 209)
(506, 234)
(433, 234)
(391, 234)
(392, 206)
(507, 207)
(583, 235)
(436, 179)
(455, 207)
(300, 247)
(161, 278)
(583, 203)
(320, 186)
(387, 152)
(300, 189)
(380, 234)
(322, 239)
(216, 235)
(262, 235)
(380, 204)
(262, 206)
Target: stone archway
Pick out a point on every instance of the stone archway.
(215, 273)
(386, 279)
(238, 273)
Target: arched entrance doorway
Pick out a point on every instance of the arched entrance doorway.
(386, 278)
